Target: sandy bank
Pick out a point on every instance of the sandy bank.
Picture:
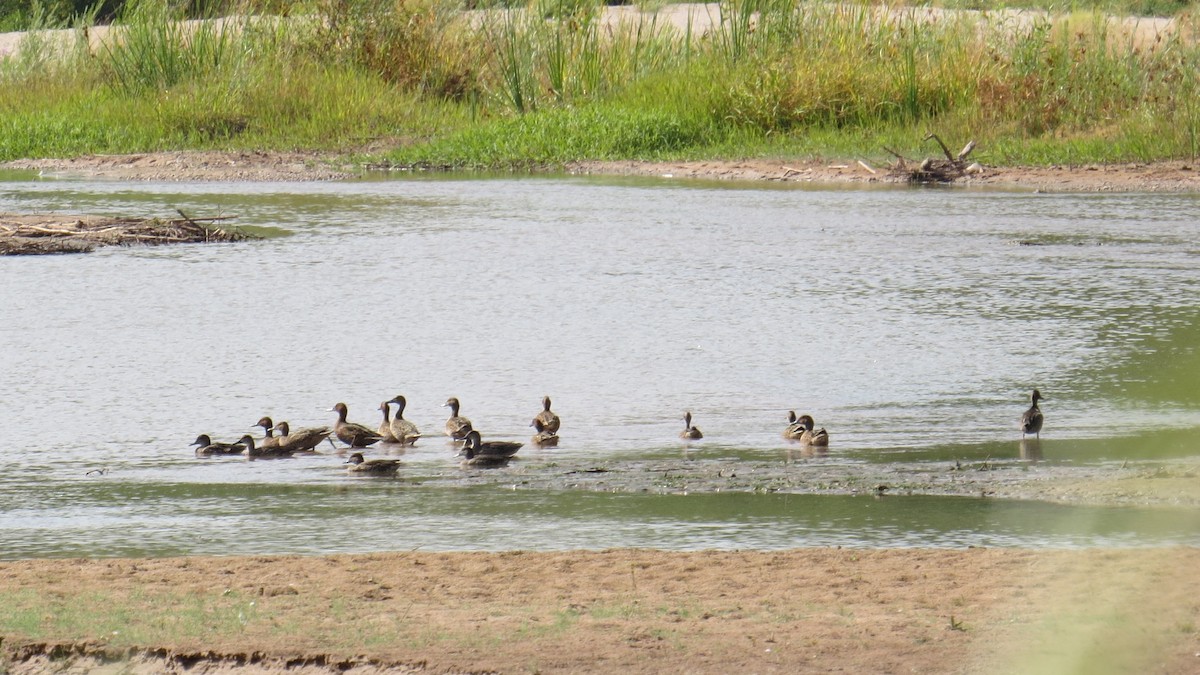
(629, 611)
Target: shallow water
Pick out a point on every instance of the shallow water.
(911, 323)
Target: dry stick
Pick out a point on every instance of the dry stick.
(944, 148)
(47, 230)
(193, 223)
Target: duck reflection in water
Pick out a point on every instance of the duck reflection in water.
(1031, 449)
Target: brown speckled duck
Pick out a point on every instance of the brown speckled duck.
(350, 433)
(372, 467)
(544, 438)
(794, 431)
(689, 433)
(205, 447)
(302, 440)
(457, 427)
(1031, 421)
(405, 432)
(818, 437)
(262, 453)
(385, 427)
(549, 420)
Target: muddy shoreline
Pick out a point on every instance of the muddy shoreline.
(1171, 176)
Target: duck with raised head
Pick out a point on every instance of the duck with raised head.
(352, 434)
(544, 438)
(457, 426)
(262, 453)
(689, 433)
(205, 447)
(372, 467)
(405, 432)
(811, 436)
(478, 446)
(1031, 421)
(267, 441)
(549, 420)
(385, 427)
(301, 440)
(794, 431)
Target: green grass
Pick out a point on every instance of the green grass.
(125, 621)
(554, 84)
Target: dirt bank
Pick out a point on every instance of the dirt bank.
(267, 166)
(629, 611)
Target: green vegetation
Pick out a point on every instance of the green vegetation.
(553, 82)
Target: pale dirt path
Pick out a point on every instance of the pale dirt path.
(696, 18)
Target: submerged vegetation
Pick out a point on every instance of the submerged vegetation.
(428, 83)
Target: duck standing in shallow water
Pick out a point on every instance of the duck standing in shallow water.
(350, 433)
(205, 447)
(1031, 421)
(549, 420)
(818, 437)
(794, 431)
(457, 427)
(544, 438)
(689, 433)
(373, 467)
(262, 453)
(385, 427)
(303, 440)
(405, 432)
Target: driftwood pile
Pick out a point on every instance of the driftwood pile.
(930, 170)
(55, 233)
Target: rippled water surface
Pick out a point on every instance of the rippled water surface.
(911, 323)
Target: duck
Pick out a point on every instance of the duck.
(544, 438)
(405, 432)
(483, 461)
(268, 441)
(457, 427)
(794, 431)
(385, 427)
(373, 467)
(474, 441)
(818, 437)
(549, 420)
(1031, 421)
(205, 447)
(262, 453)
(350, 433)
(303, 440)
(689, 433)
